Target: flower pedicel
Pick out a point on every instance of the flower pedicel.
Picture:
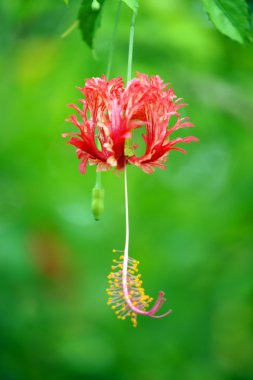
(107, 119)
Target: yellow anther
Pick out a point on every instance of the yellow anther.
(136, 292)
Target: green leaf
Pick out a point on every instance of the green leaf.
(230, 17)
(133, 4)
(89, 19)
(66, 2)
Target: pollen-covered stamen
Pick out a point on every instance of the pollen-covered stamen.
(127, 296)
(136, 293)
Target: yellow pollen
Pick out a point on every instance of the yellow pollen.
(136, 292)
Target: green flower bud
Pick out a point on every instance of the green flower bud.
(97, 203)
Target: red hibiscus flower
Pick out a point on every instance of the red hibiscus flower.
(109, 115)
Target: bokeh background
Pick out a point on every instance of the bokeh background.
(191, 225)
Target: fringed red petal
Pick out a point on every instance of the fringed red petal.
(111, 113)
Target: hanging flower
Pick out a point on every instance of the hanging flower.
(107, 121)
(109, 115)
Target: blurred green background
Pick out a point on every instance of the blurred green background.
(191, 225)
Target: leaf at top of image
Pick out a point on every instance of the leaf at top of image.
(89, 19)
(230, 17)
(133, 4)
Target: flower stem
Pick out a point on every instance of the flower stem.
(130, 51)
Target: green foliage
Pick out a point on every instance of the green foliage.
(133, 4)
(89, 19)
(230, 17)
